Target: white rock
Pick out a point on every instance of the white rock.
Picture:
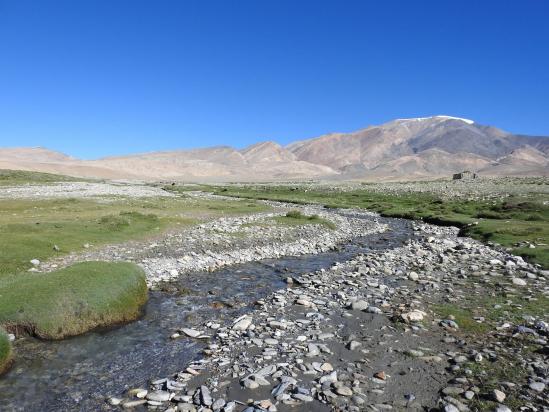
(413, 316)
(413, 276)
(191, 332)
(498, 395)
(519, 282)
(359, 305)
(242, 323)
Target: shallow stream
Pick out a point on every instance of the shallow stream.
(79, 373)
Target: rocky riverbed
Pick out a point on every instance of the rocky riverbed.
(74, 374)
(364, 335)
(81, 190)
(231, 240)
(404, 316)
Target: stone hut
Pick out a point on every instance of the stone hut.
(466, 175)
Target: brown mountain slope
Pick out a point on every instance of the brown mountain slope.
(33, 154)
(263, 161)
(380, 144)
(401, 149)
(432, 163)
(267, 152)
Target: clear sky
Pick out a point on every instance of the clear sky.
(101, 77)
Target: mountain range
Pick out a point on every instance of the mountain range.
(403, 149)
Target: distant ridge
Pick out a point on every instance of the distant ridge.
(402, 149)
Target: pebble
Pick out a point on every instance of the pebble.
(498, 395)
(519, 282)
(344, 391)
(537, 386)
(243, 323)
(359, 305)
(191, 332)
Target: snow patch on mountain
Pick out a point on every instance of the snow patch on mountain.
(442, 117)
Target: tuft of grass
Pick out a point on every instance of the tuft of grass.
(6, 352)
(296, 218)
(489, 376)
(463, 317)
(72, 300)
(495, 310)
(513, 309)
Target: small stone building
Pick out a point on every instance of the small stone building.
(466, 174)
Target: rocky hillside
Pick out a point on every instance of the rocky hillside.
(418, 148)
(429, 147)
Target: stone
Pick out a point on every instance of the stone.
(35, 262)
(158, 396)
(352, 345)
(453, 390)
(469, 395)
(380, 375)
(302, 397)
(498, 395)
(114, 401)
(359, 305)
(186, 407)
(191, 332)
(133, 404)
(414, 353)
(242, 323)
(141, 393)
(519, 282)
(326, 367)
(230, 406)
(205, 396)
(413, 316)
(330, 378)
(413, 276)
(313, 350)
(344, 391)
(250, 384)
(537, 386)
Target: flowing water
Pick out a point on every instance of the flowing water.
(79, 373)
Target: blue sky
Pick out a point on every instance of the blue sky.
(102, 77)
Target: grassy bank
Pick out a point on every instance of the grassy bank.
(73, 300)
(510, 221)
(19, 177)
(6, 353)
(44, 228)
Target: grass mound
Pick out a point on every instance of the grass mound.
(73, 300)
(295, 217)
(6, 354)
